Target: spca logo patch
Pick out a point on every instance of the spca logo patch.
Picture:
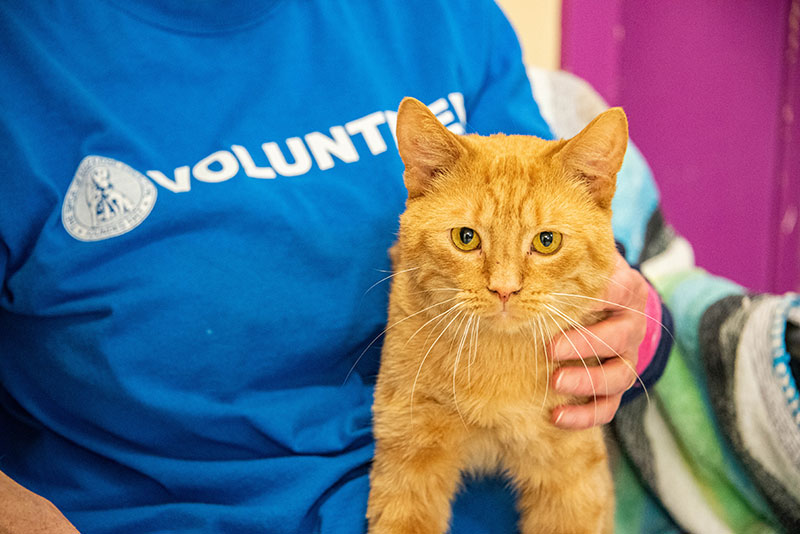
(106, 198)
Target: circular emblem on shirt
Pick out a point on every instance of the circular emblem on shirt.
(106, 198)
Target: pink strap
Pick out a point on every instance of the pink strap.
(652, 335)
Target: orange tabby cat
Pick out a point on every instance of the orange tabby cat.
(493, 226)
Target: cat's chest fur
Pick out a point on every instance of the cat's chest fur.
(498, 395)
(495, 383)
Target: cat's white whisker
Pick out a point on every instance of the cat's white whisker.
(455, 365)
(388, 277)
(545, 337)
(456, 305)
(353, 367)
(535, 356)
(616, 305)
(434, 289)
(455, 334)
(469, 356)
(414, 385)
(617, 354)
(579, 326)
(441, 289)
(475, 352)
(591, 382)
(435, 326)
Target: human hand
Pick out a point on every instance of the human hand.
(24, 512)
(616, 346)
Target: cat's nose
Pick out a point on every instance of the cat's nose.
(504, 292)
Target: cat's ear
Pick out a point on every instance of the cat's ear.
(596, 153)
(426, 147)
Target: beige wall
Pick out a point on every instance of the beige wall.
(538, 25)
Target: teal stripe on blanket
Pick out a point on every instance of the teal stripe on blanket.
(637, 512)
(634, 203)
(688, 295)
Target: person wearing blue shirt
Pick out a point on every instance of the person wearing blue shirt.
(196, 198)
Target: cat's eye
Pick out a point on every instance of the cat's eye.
(547, 242)
(465, 239)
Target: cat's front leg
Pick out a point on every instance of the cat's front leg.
(416, 470)
(566, 488)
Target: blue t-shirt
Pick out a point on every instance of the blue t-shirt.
(193, 208)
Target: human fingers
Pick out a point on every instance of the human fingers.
(613, 377)
(617, 335)
(581, 416)
(625, 299)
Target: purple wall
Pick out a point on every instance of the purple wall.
(710, 90)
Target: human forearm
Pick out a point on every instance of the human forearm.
(24, 512)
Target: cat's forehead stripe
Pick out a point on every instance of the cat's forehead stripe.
(512, 186)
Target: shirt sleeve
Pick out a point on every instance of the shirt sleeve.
(655, 348)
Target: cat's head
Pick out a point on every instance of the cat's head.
(504, 223)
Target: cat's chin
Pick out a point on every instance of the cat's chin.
(507, 322)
